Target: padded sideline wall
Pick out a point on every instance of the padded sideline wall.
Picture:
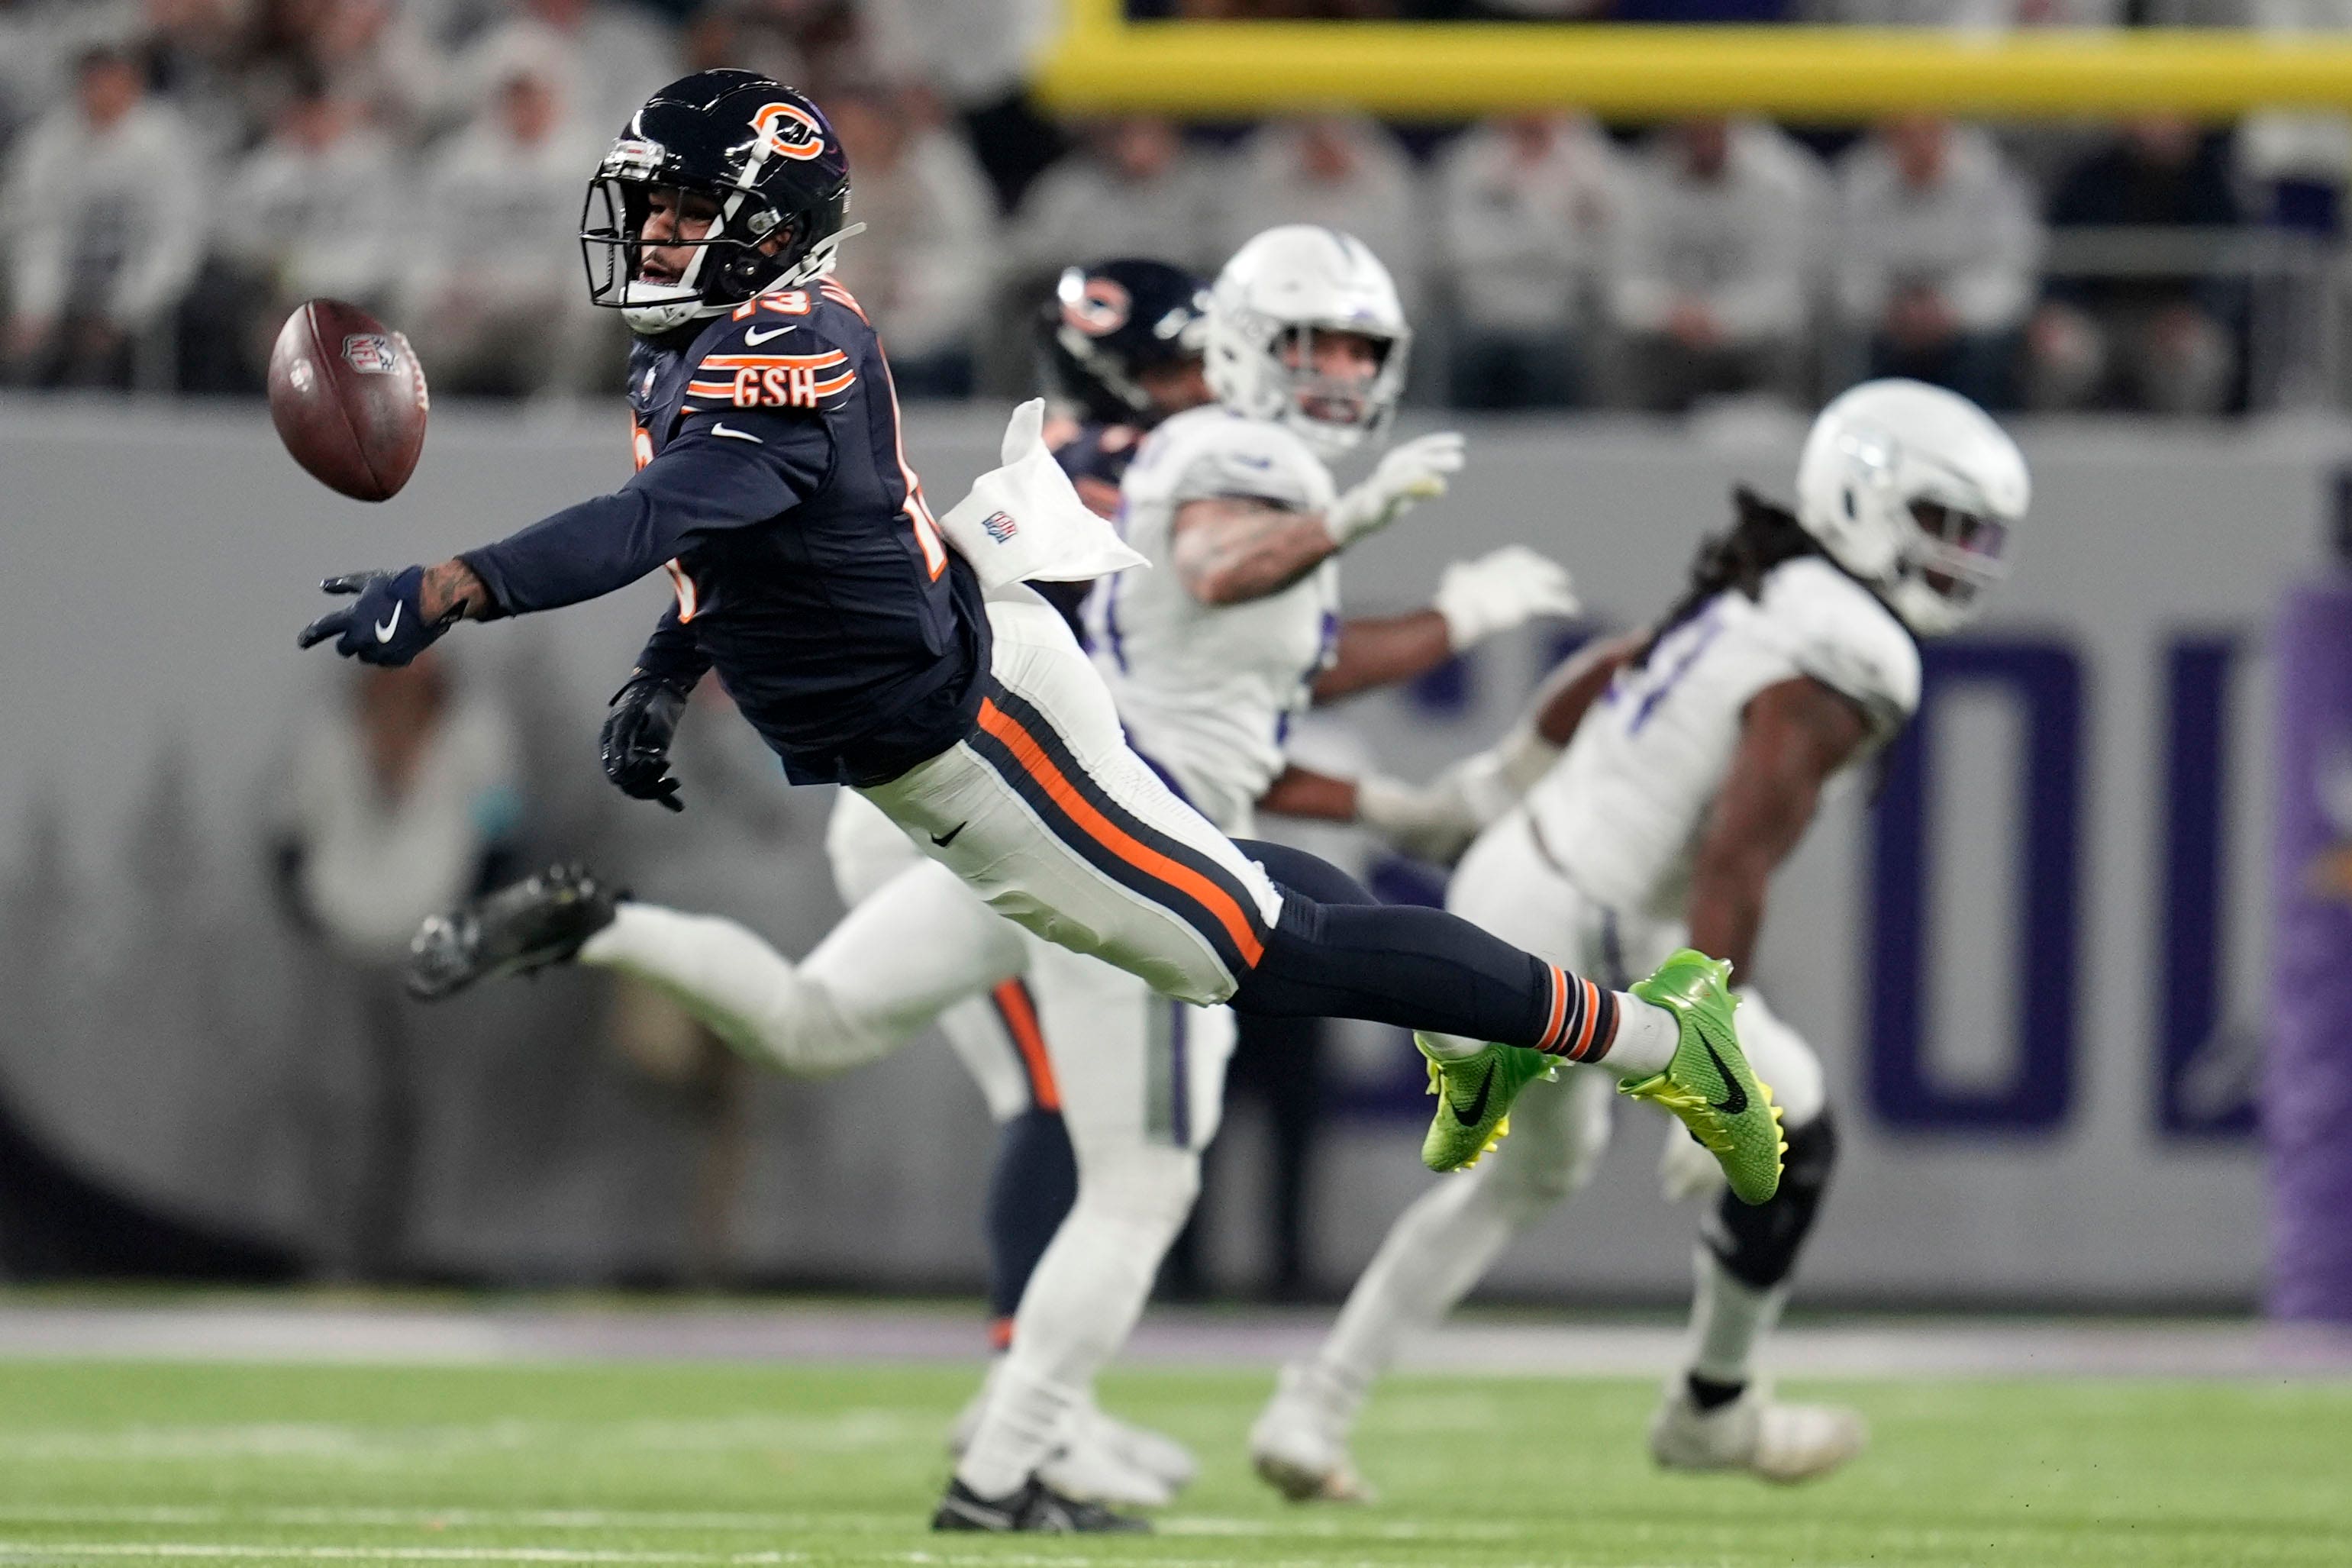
(2041, 1087)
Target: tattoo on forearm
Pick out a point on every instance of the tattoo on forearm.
(452, 586)
(1228, 551)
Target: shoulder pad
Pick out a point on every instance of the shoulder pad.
(1843, 636)
(774, 352)
(1210, 453)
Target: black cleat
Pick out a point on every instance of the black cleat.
(537, 922)
(1035, 1509)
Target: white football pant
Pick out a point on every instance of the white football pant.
(1044, 811)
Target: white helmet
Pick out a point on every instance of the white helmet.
(1917, 491)
(1278, 291)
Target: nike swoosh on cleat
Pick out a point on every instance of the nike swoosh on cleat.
(390, 623)
(1477, 1106)
(1738, 1101)
(943, 843)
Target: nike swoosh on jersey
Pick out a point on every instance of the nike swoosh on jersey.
(718, 428)
(1737, 1101)
(389, 625)
(1478, 1106)
(754, 337)
(943, 843)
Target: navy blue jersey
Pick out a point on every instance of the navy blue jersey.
(773, 483)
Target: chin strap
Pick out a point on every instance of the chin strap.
(818, 263)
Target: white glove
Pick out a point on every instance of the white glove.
(1501, 589)
(1431, 822)
(1491, 781)
(1414, 473)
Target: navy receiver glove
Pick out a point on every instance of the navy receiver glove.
(382, 625)
(636, 739)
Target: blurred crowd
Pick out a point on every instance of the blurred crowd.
(179, 173)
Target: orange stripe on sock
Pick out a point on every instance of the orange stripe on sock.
(1020, 1015)
(1111, 837)
(1558, 1008)
(1592, 997)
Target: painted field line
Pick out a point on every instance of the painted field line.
(848, 1431)
(82, 1551)
(191, 1551)
(657, 1522)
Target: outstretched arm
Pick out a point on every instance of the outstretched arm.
(700, 484)
(1475, 599)
(452, 591)
(1569, 691)
(1230, 549)
(1376, 651)
(1794, 738)
(1302, 792)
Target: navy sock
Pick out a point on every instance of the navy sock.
(1029, 1191)
(1415, 968)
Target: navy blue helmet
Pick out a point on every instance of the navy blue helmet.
(1109, 323)
(751, 156)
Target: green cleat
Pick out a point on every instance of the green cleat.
(1475, 1095)
(1708, 1085)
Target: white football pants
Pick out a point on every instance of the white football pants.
(1441, 1246)
(1044, 811)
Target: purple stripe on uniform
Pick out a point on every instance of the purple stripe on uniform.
(1165, 777)
(1111, 623)
(1180, 1097)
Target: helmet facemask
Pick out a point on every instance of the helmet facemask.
(1332, 414)
(1953, 552)
(741, 252)
(747, 247)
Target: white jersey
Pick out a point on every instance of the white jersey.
(1623, 812)
(1207, 691)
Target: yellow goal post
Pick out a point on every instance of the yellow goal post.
(1102, 63)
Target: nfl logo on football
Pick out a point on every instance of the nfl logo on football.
(1000, 526)
(372, 354)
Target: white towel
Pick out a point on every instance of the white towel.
(1023, 522)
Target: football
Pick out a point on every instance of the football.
(348, 398)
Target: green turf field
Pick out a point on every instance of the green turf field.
(713, 1463)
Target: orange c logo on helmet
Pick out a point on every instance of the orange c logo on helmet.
(789, 131)
(1102, 307)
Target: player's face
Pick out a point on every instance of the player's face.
(1174, 388)
(1337, 369)
(1966, 551)
(674, 220)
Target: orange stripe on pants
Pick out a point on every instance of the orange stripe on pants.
(1020, 1017)
(1111, 837)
